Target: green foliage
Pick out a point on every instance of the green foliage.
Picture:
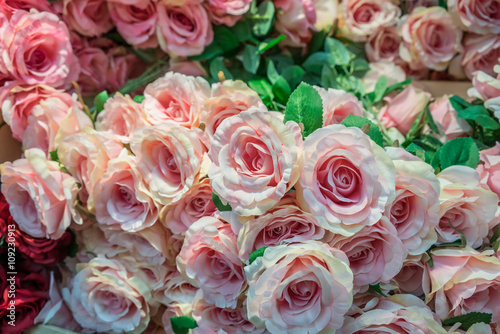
(100, 99)
(256, 254)
(182, 324)
(261, 18)
(469, 319)
(305, 106)
(359, 122)
(459, 151)
(251, 58)
(219, 205)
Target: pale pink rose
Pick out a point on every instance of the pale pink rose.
(375, 253)
(209, 260)
(40, 195)
(170, 158)
(19, 102)
(402, 109)
(393, 73)
(346, 180)
(414, 210)
(93, 240)
(463, 280)
(299, 288)
(151, 274)
(228, 98)
(421, 73)
(479, 16)
(94, 62)
(465, 205)
(120, 117)
(395, 314)
(255, 160)
(410, 277)
(38, 49)
(430, 39)
(383, 44)
(284, 223)
(490, 171)
(135, 21)
(87, 17)
(193, 205)
(183, 30)
(121, 198)
(106, 297)
(360, 18)
(123, 66)
(486, 87)
(409, 6)
(227, 12)
(175, 289)
(481, 54)
(337, 105)
(9, 7)
(191, 68)
(177, 310)
(175, 97)
(445, 117)
(175, 242)
(76, 120)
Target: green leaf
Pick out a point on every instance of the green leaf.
(182, 324)
(351, 84)
(242, 31)
(417, 151)
(211, 51)
(262, 87)
(147, 55)
(100, 99)
(293, 75)
(272, 73)
(138, 98)
(398, 85)
(442, 3)
(469, 319)
(376, 288)
(328, 77)
(459, 151)
(264, 46)
(360, 65)
(463, 239)
(282, 90)
(262, 21)
(436, 161)
(225, 38)
(317, 41)
(305, 106)
(314, 63)
(216, 66)
(428, 143)
(256, 254)
(430, 262)
(416, 126)
(53, 156)
(357, 121)
(480, 115)
(337, 50)
(219, 205)
(251, 59)
(429, 120)
(458, 103)
(380, 88)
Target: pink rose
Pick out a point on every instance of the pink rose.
(402, 109)
(255, 160)
(123, 66)
(346, 180)
(479, 16)
(227, 12)
(87, 17)
(430, 39)
(120, 117)
(38, 49)
(183, 30)
(228, 98)
(176, 290)
(337, 105)
(135, 21)
(393, 73)
(299, 288)
(481, 54)
(486, 87)
(8, 8)
(463, 280)
(464, 205)
(411, 5)
(209, 260)
(40, 195)
(490, 171)
(190, 68)
(94, 62)
(410, 277)
(175, 97)
(360, 18)
(383, 44)
(445, 117)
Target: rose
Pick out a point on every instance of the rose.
(38, 49)
(135, 21)
(430, 39)
(346, 180)
(414, 209)
(228, 98)
(170, 158)
(175, 97)
(93, 62)
(464, 206)
(106, 297)
(190, 68)
(390, 70)
(463, 280)
(395, 314)
(40, 195)
(360, 18)
(337, 105)
(481, 53)
(209, 260)
(487, 88)
(87, 17)
(383, 44)
(410, 277)
(227, 12)
(8, 8)
(150, 273)
(176, 290)
(183, 30)
(176, 310)
(255, 160)
(298, 288)
(490, 171)
(121, 116)
(446, 118)
(123, 66)
(402, 109)
(411, 5)
(479, 16)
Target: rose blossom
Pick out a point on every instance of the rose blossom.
(40, 195)
(430, 39)
(8, 8)
(481, 54)
(490, 171)
(346, 179)
(135, 21)
(298, 288)
(175, 289)
(446, 118)
(255, 160)
(410, 277)
(183, 30)
(464, 205)
(409, 6)
(479, 16)
(337, 105)
(175, 97)
(227, 12)
(209, 260)
(402, 109)
(393, 73)
(170, 158)
(105, 296)
(360, 18)
(383, 44)
(487, 88)
(463, 280)
(190, 68)
(87, 17)
(151, 274)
